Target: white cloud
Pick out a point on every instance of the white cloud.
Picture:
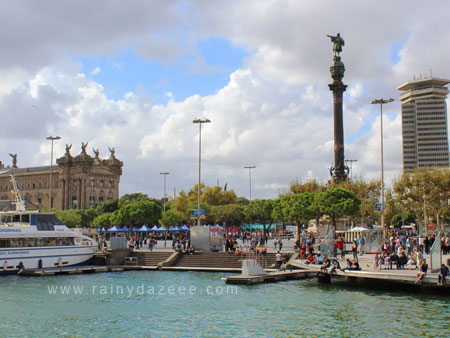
(275, 112)
(95, 71)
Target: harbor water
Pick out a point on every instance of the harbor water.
(196, 304)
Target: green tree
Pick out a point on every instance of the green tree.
(311, 186)
(107, 206)
(103, 220)
(228, 214)
(192, 195)
(87, 216)
(136, 197)
(425, 193)
(296, 208)
(338, 202)
(242, 201)
(216, 196)
(71, 217)
(170, 218)
(260, 211)
(137, 213)
(181, 204)
(368, 192)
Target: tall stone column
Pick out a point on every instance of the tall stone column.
(339, 172)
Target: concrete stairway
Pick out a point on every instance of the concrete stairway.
(151, 258)
(218, 260)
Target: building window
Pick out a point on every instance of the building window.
(100, 199)
(74, 202)
(39, 200)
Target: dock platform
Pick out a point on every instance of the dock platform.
(66, 270)
(271, 277)
(394, 276)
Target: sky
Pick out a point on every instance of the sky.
(133, 75)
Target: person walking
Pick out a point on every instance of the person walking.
(355, 249)
(361, 243)
(340, 246)
(421, 244)
(278, 260)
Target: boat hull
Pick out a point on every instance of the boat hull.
(13, 259)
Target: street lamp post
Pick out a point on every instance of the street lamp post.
(200, 122)
(381, 102)
(351, 168)
(164, 199)
(250, 167)
(51, 138)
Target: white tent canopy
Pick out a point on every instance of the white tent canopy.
(359, 229)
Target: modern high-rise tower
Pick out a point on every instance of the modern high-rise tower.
(424, 123)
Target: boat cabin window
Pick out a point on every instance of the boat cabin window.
(29, 242)
(37, 242)
(41, 241)
(16, 242)
(26, 218)
(45, 222)
(51, 242)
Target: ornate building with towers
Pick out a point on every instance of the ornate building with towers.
(78, 182)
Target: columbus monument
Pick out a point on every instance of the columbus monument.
(340, 171)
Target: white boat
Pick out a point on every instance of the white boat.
(33, 239)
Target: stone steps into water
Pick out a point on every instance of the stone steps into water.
(219, 260)
(150, 258)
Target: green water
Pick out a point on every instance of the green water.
(190, 304)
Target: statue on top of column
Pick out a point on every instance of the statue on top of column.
(96, 153)
(338, 42)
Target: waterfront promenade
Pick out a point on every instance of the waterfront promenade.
(288, 245)
(368, 272)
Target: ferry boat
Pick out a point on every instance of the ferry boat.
(33, 239)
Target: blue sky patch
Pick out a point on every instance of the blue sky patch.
(397, 47)
(204, 71)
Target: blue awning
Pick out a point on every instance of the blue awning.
(141, 229)
(113, 229)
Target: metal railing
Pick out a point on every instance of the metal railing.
(256, 256)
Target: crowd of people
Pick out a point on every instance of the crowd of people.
(399, 251)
